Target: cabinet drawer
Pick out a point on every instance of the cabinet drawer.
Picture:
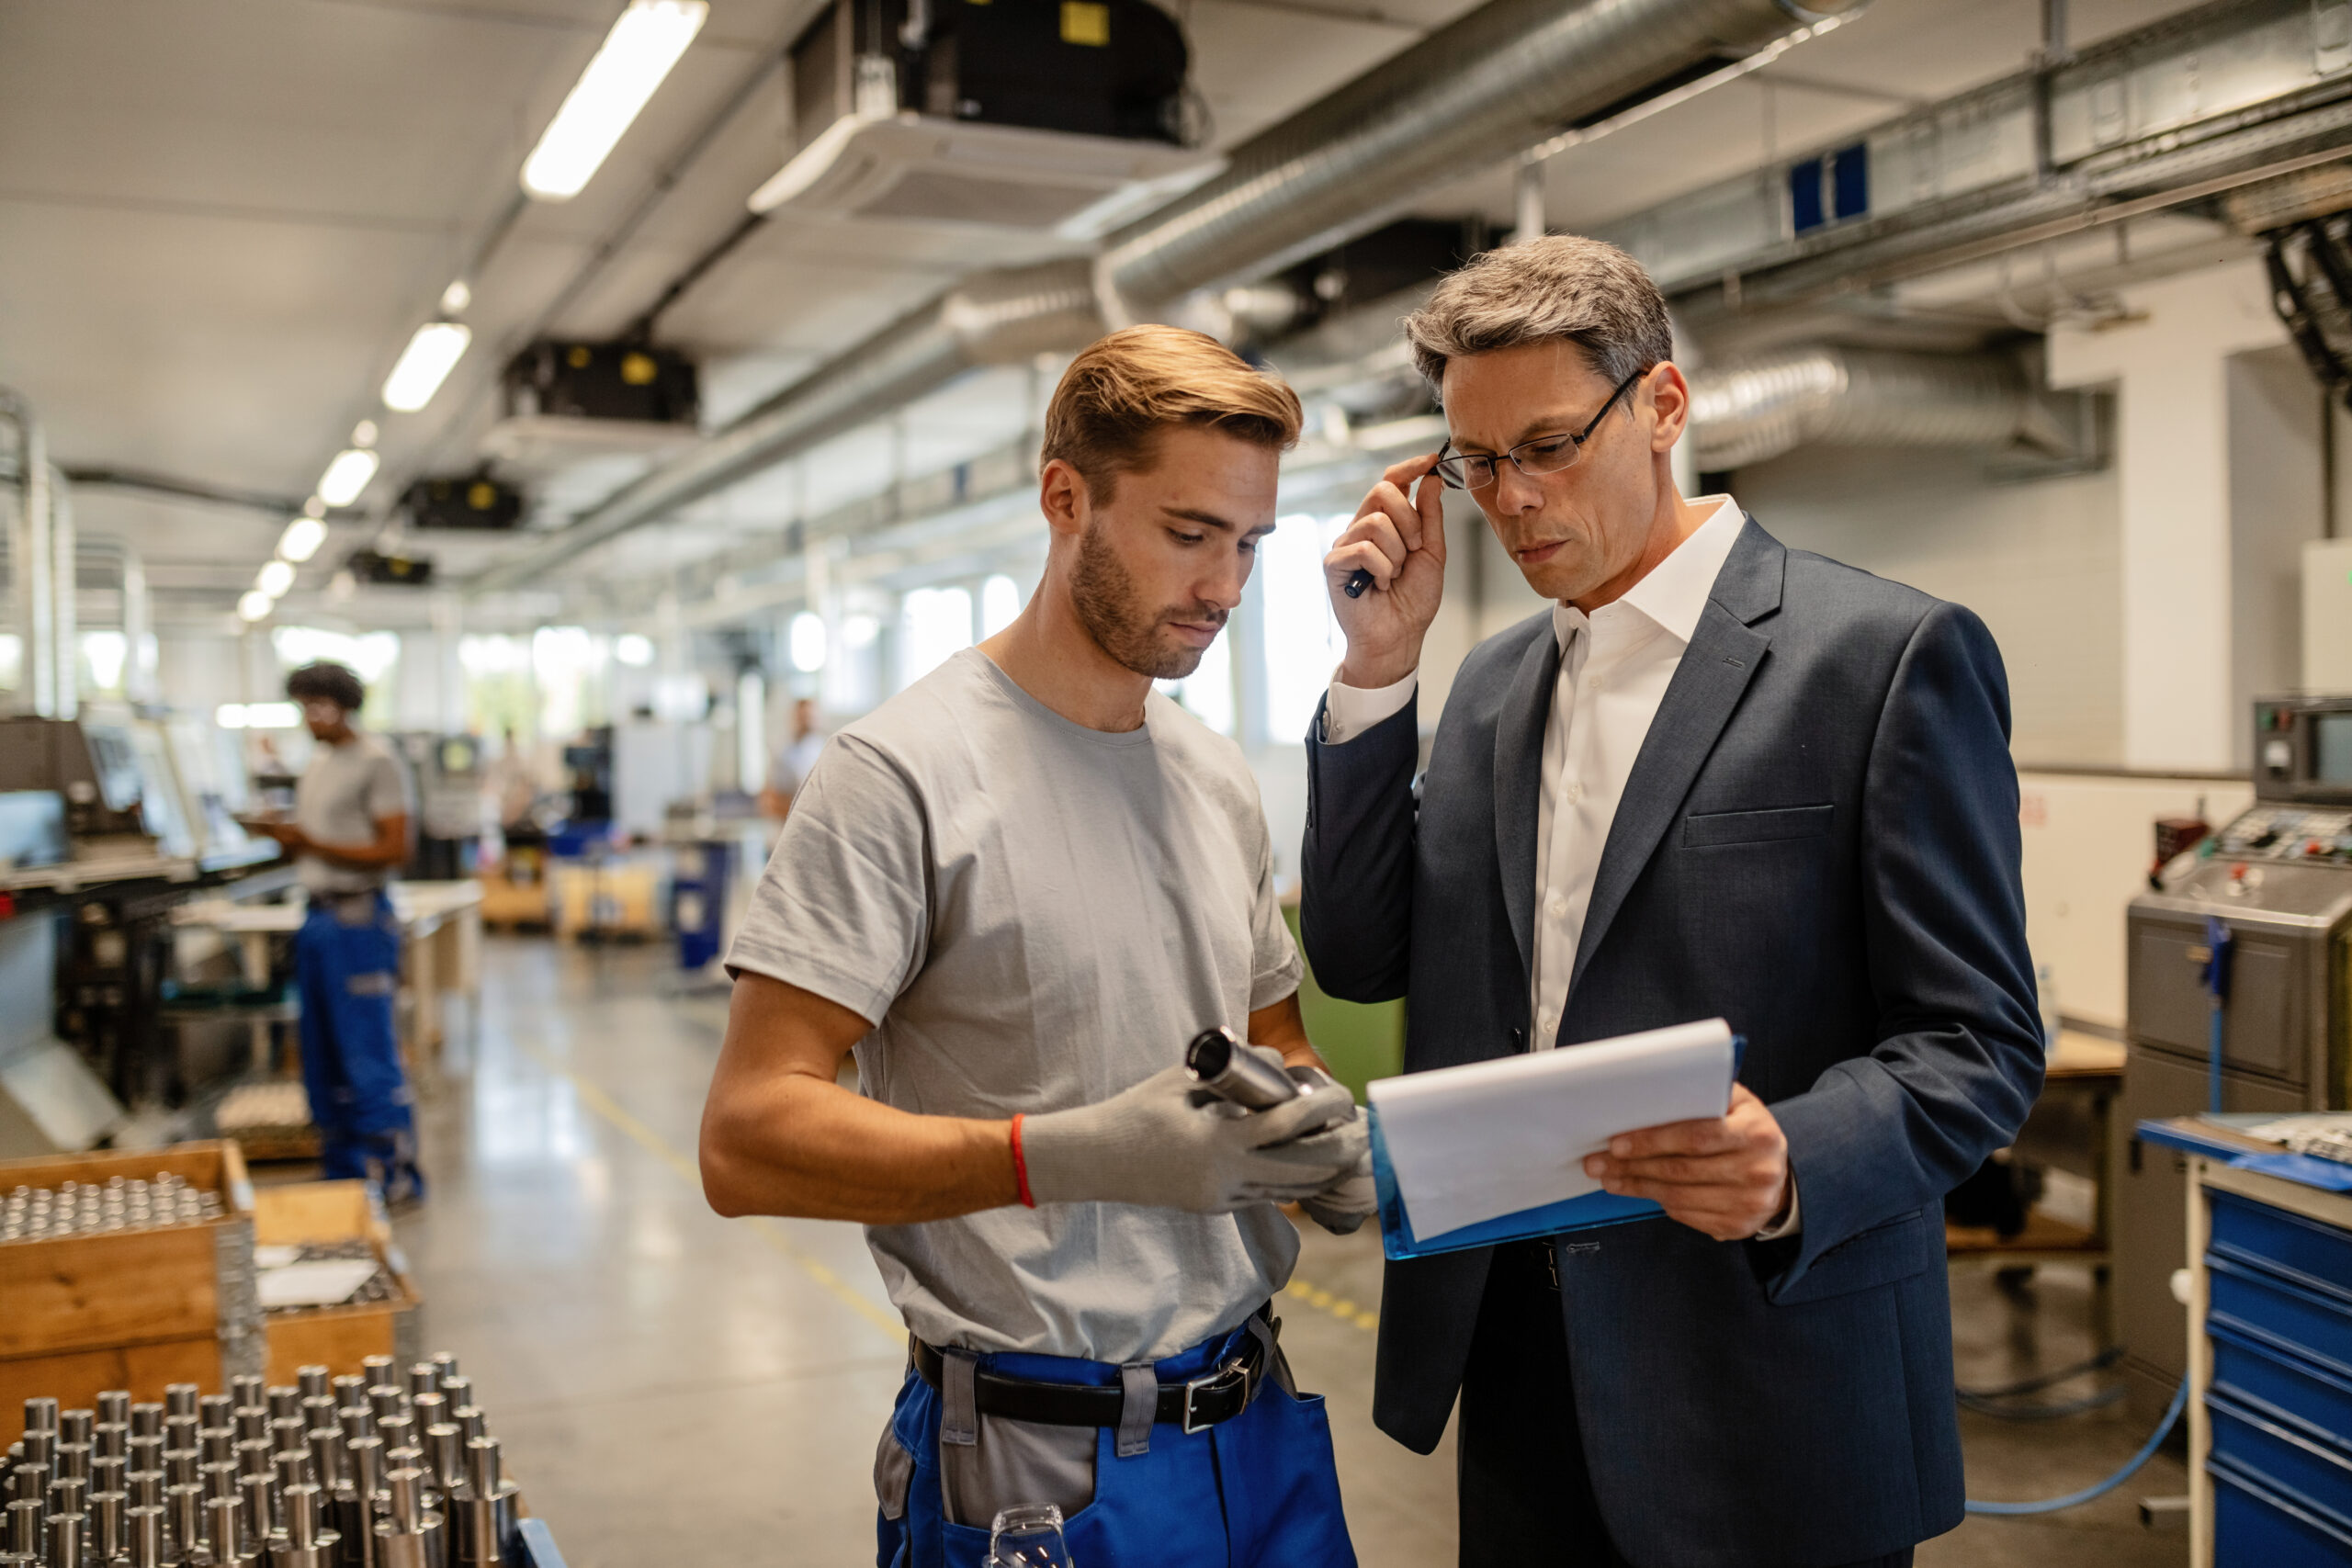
(2286, 1389)
(2313, 1255)
(2321, 1477)
(2258, 1525)
(2272, 1311)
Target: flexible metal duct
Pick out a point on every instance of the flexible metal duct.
(1481, 89)
(1746, 411)
(1492, 83)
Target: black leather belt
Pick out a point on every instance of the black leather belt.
(1194, 1406)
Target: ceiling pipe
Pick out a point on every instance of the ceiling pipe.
(1485, 87)
(1746, 411)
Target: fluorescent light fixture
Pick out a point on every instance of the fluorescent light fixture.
(634, 649)
(275, 578)
(254, 605)
(302, 540)
(230, 716)
(424, 365)
(636, 55)
(258, 716)
(347, 476)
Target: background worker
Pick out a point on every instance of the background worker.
(1016, 890)
(1719, 778)
(349, 834)
(789, 768)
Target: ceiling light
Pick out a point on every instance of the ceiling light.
(364, 432)
(634, 649)
(347, 476)
(275, 578)
(806, 640)
(424, 365)
(302, 540)
(456, 298)
(644, 43)
(254, 605)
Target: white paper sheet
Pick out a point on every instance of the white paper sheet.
(328, 1282)
(1487, 1139)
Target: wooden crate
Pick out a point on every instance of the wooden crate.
(337, 1338)
(135, 1310)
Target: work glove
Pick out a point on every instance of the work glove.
(1153, 1146)
(1342, 1207)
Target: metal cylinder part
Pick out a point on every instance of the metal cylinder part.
(146, 1488)
(179, 1399)
(1221, 1063)
(147, 1419)
(68, 1495)
(444, 1448)
(180, 1430)
(457, 1390)
(107, 1473)
(73, 1425)
(312, 1379)
(65, 1541)
(219, 1480)
(107, 1511)
(40, 1446)
(329, 1460)
(375, 1371)
(285, 1402)
(424, 1377)
(259, 1496)
(221, 1528)
(218, 1444)
(354, 1524)
(252, 1423)
(74, 1460)
(294, 1469)
(469, 1421)
(114, 1405)
(184, 1513)
(217, 1410)
(254, 1456)
(448, 1361)
(250, 1390)
(368, 1465)
(180, 1466)
(145, 1527)
(111, 1439)
(24, 1517)
(40, 1415)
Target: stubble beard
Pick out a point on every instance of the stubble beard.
(1111, 610)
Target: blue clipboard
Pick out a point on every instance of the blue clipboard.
(1399, 1243)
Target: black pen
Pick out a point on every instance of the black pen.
(1358, 581)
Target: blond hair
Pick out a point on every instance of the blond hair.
(1122, 391)
(1561, 288)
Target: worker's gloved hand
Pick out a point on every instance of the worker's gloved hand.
(1153, 1146)
(1342, 1207)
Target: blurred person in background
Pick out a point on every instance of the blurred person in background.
(349, 834)
(788, 769)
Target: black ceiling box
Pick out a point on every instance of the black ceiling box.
(474, 500)
(603, 381)
(1093, 67)
(397, 571)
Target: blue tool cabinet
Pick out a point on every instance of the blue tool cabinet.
(2270, 1368)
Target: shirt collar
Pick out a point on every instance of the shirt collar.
(1674, 595)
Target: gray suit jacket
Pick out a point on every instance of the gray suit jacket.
(1818, 843)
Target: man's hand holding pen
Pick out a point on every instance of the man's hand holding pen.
(1399, 539)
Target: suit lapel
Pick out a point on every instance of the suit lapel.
(1721, 659)
(1519, 780)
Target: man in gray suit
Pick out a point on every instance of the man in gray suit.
(1719, 777)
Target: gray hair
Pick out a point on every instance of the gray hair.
(1561, 288)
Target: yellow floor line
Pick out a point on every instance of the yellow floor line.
(1340, 1307)
(773, 1235)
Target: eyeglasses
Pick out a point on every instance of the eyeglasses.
(1544, 455)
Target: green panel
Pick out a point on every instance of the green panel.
(1360, 1043)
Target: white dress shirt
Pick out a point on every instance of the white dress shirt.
(1615, 665)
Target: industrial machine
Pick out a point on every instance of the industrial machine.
(451, 807)
(2240, 987)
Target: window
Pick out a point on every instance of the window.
(371, 656)
(934, 623)
(1207, 692)
(1302, 638)
(1000, 602)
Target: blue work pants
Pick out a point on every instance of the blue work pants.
(1258, 1490)
(347, 970)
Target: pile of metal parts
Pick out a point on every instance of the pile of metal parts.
(384, 1470)
(85, 1208)
(380, 1286)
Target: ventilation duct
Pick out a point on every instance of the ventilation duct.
(1746, 411)
(1484, 88)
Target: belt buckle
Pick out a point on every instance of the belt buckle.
(1223, 1377)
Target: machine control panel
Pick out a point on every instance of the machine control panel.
(2306, 835)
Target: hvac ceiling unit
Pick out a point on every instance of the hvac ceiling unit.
(1061, 115)
(568, 404)
(472, 501)
(382, 568)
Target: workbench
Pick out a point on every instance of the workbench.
(2269, 1355)
(440, 925)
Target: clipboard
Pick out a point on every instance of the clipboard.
(1398, 1242)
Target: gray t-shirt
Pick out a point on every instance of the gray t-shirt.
(1040, 915)
(344, 792)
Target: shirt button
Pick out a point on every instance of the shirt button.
(1545, 1020)
(1575, 792)
(1556, 906)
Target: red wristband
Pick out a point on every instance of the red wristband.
(1021, 1164)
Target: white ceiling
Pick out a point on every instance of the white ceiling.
(219, 222)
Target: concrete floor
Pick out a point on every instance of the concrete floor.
(667, 1380)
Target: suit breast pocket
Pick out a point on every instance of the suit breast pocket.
(1712, 829)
